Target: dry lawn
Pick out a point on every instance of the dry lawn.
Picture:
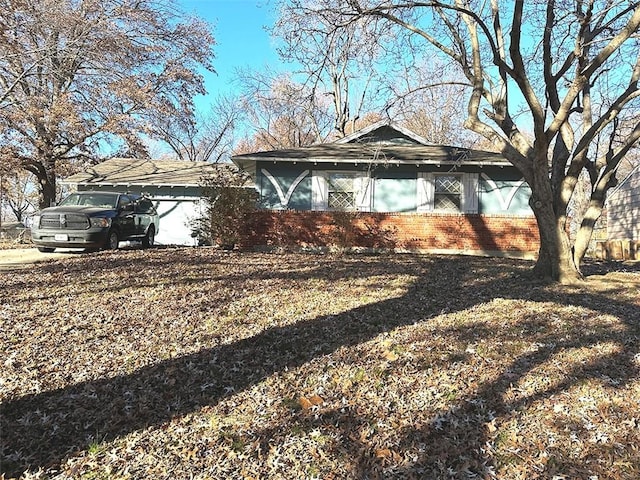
(192, 363)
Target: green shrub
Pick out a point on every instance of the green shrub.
(228, 205)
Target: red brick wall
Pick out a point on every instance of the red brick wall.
(418, 231)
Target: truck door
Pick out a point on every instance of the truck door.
(142, 216)
(126, 217)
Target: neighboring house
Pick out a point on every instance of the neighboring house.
(175, 187)
(623, 219)
(623, 209)
(397, 191)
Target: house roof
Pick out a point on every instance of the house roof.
(348, 153)
(378, 129)
(630, 181)
(380, 143)
(134, 171)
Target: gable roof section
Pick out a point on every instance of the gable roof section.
(348, 153)
(134, 171)
(382, 129)
(632, 180)
(380, 143)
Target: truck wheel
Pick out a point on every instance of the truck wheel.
(112, 240)
(150, 237)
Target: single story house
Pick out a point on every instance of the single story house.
(175, 187)
(623, 220)
(386, 187)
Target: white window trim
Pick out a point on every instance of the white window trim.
(470, 186)
(426, 187)
(426, 191)
(320, 189)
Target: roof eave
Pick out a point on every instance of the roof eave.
(128, 184)
(315, 160)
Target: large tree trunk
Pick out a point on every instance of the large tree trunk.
(591, 216)
(555, 257)
(45, 172)
(47, 181)
(585, 232)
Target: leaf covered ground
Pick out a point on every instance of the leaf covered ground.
(195, 363)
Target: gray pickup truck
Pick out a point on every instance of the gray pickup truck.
(95, 220)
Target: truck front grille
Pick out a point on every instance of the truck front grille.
(72, 221)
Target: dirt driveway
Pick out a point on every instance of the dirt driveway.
(11, 258)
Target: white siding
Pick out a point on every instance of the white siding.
(623, 209)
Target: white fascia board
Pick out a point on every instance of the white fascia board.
(117, 184)
(383, 123)
(411, 134)
(382, 161)
(360, 133)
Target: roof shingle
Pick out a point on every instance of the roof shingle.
(133, 171)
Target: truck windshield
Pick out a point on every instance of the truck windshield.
(104, 200)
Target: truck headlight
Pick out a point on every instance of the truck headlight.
(100, 222)
(35, 221)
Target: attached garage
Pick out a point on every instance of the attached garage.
(175, 187)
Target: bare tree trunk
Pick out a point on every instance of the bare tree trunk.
(583, 236)
(47, 182)
(596, 204)
(44, 170)
(555, 257)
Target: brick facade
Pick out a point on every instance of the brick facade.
(421, 232)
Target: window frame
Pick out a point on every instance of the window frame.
(320, 190)
(353, 193)
(125, 203)
(460, 195)
(469, 195)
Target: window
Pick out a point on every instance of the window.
(341, 192)
(144, 206)
(123, 202)
(448, 193)
(91, 199)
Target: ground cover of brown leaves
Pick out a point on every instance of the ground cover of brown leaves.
(195, 363)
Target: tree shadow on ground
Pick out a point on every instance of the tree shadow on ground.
(457, 442)
(53, 424)
(460, 440)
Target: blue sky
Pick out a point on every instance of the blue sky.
(241, 39)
